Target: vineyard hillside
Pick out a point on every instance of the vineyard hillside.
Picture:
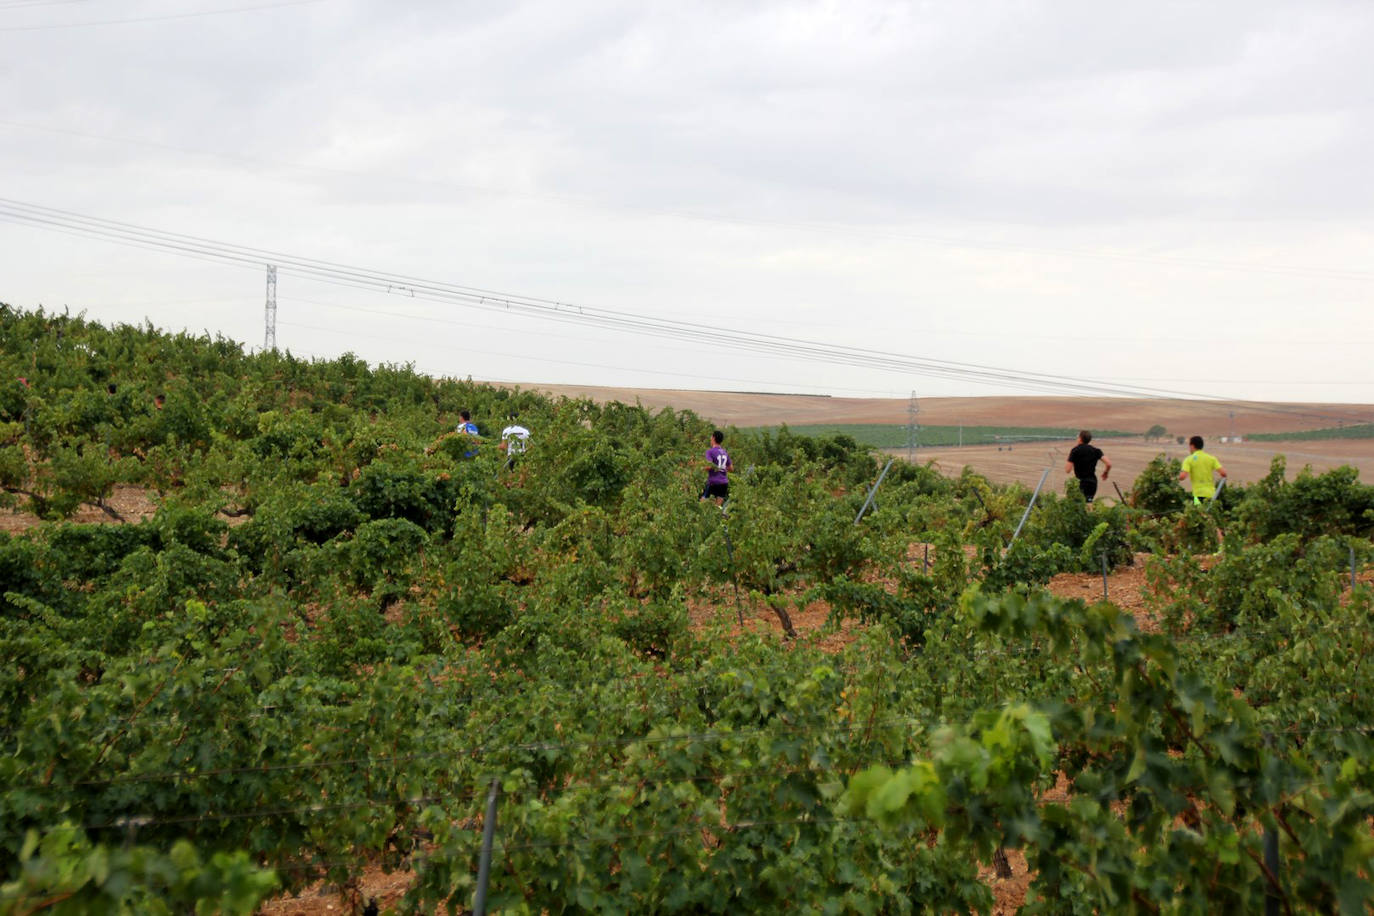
(281, 635)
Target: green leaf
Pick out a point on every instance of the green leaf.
(1137, 765)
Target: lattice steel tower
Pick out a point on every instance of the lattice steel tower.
(269, 339)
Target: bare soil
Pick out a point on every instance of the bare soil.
(1246, 462)
(1025, 462)
(1210, 419)
(132, 505)
(1124, 587)
(321, 899)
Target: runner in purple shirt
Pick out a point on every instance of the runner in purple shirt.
(718, 478)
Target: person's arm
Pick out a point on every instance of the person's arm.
(730, 464)
(1068, 467)
(1221, 471)
(1183, 474)
(1107, 467)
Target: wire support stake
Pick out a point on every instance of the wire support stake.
(873, 491)
(1025, 515)
(479, 902)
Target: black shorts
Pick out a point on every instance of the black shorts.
(1089, 487)
(716, 489)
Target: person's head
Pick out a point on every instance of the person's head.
(464, 416)
(1195, 444)
(1084, 436)
(717, 437)
(159, 400)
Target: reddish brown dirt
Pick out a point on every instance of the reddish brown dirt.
(1246, 462)
(720, 609)
(133, 504)
(388, 889)
(1125, 588)
(325, 900)
(1008, 894)
(1209, 419)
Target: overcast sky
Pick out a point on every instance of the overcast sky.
(1171, 195)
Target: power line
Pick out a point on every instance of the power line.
(564, 312)
(626, 322)
(170, 16)
(955, 242)
(492, 300)
(25, 3)
(562, 362)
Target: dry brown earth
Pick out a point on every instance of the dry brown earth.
(128, 504)
(1207, 418)
(1025, 462)
(1244, 462)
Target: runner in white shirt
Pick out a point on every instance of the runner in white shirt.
(514, 440)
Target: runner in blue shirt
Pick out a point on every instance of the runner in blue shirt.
(467, 428)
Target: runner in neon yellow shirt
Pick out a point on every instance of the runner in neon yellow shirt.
(1199, 467)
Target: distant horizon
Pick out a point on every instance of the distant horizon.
(943, 397)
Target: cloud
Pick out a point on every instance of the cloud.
(924, 172)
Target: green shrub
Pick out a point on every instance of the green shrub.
(393, 490)
(30, 570)
(1311, 505)
(654, 628)
(1157, 489)
(1027, 564)
(904, 615)
(1087, 532)
(477, 611)
(350, 634)
(1193, 531)
(87, 553)
(326, 513)
(14, 468)
(385, 550)
(80, 472)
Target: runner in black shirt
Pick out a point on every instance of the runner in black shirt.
(1082, 463)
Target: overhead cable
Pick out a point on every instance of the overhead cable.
(163, 18)
(641, 325)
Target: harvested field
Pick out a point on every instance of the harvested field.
(1210, 419)
(1024, 462)
(1245, 462)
